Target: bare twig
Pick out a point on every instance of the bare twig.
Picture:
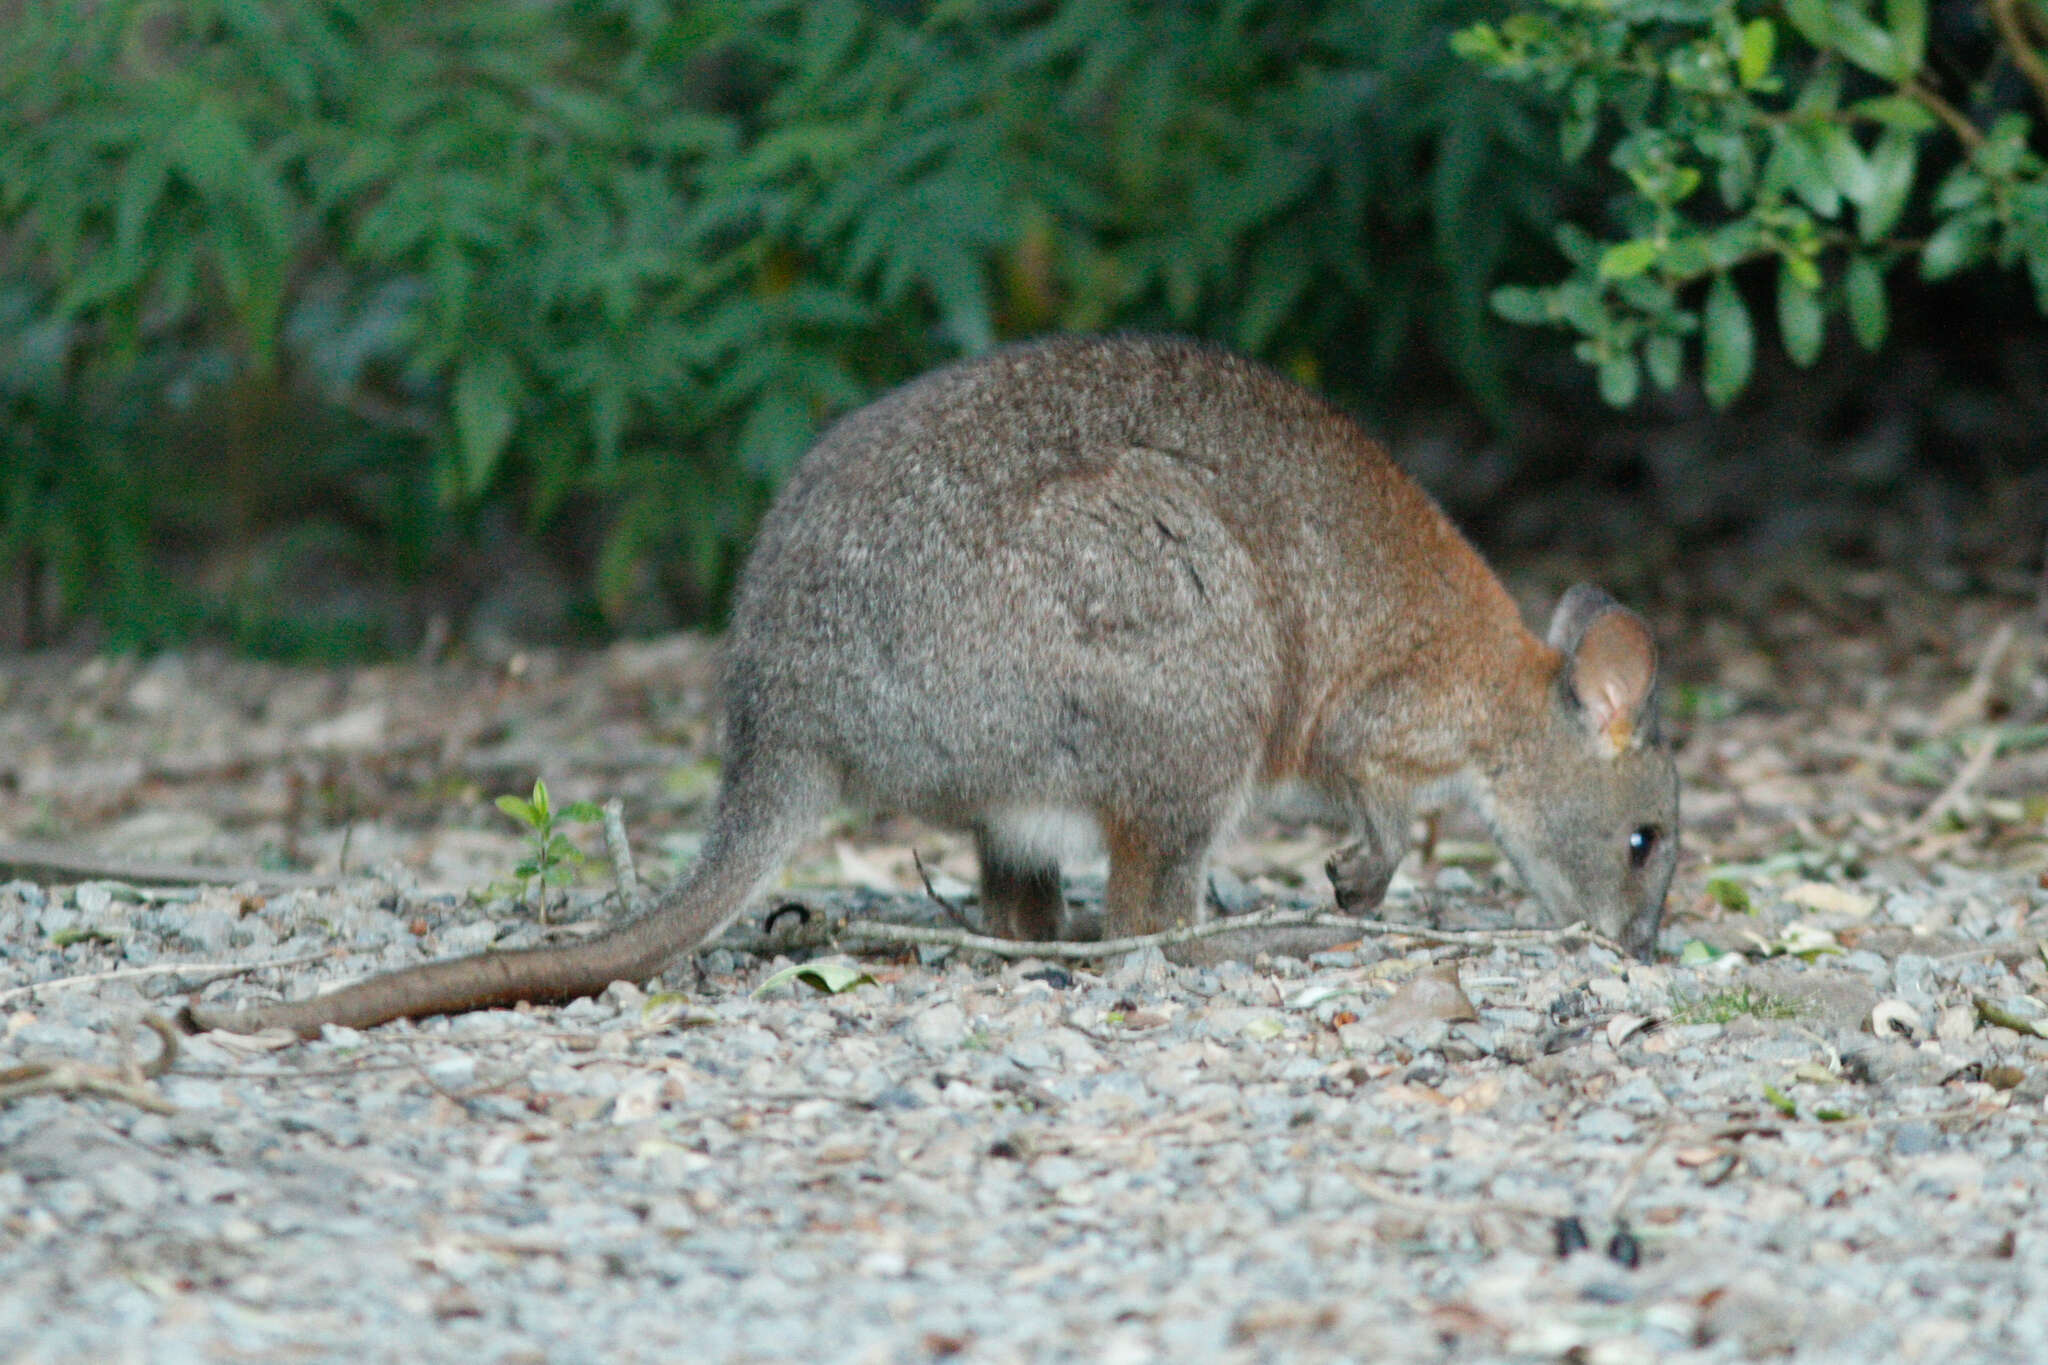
(854, 932)
(621, 853)
(1966, 777)
(1629, 1180)
(1381, 1193)
(35, 858)
(2019, 45)
(953, 911)
(129, 1082)
(1967, 133)
(216, 971)
(1967, 706)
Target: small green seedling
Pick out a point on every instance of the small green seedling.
(1726, 1006)
(552, 859)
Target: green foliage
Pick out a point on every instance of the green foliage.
(631, 255)
(552, 860)
(1814, 134)
(1727, 1006)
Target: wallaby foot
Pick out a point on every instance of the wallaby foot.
(1020, 895)
(1155, 883)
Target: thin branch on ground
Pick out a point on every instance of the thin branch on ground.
(41, 861)
(216, 971)
(1630, 1179)
(1972, 771)
(843, 932)
(128, 1082)
(1967, 706)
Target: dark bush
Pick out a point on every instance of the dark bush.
(299, 292)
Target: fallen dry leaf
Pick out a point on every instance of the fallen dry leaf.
(1829, 899)
(1432, 993)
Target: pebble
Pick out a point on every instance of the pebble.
(1123, 1161)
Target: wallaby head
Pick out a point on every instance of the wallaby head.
(1584, 796)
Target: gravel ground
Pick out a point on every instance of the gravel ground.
(1124, 1161)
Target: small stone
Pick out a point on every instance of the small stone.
(939, 1028)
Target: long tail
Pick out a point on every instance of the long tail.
(764, 812)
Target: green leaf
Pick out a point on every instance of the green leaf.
(1897, 111)
(1521, 303)
(582, 811)
(1846, 165)
(1664, 357)
(1627, 259)
(519, 809)
(1869, 309)
(64, 938)
(1730, 894)
(1907, 20)
(1802, 323)
(1892, 163)
(1697, 953)
(1758, 45)
(540, 799)
(1621, 376)
(1730, 343)
(1780, 1101)
(1956, 245)
(1864, 43)
(832, 978)
(488, 395)
(1811, 18)
(1795, 164)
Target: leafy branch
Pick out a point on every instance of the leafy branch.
(1774, 106)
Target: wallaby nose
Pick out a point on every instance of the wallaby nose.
(1641, 940)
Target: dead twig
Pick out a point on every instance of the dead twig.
(953, 912)
(1381, 1193)
(1634, 1174)
(621, 854)
(216, 971)
(1972, 771)
(855, 932)
(38, 860)
(128, 1082)
(2019, 46)
(1967, 706)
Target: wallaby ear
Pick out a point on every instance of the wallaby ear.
(1610, 665)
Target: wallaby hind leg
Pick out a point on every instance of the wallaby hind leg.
(1155, 880)
(1020, 893)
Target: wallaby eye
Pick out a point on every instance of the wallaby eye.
(1642, 842)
